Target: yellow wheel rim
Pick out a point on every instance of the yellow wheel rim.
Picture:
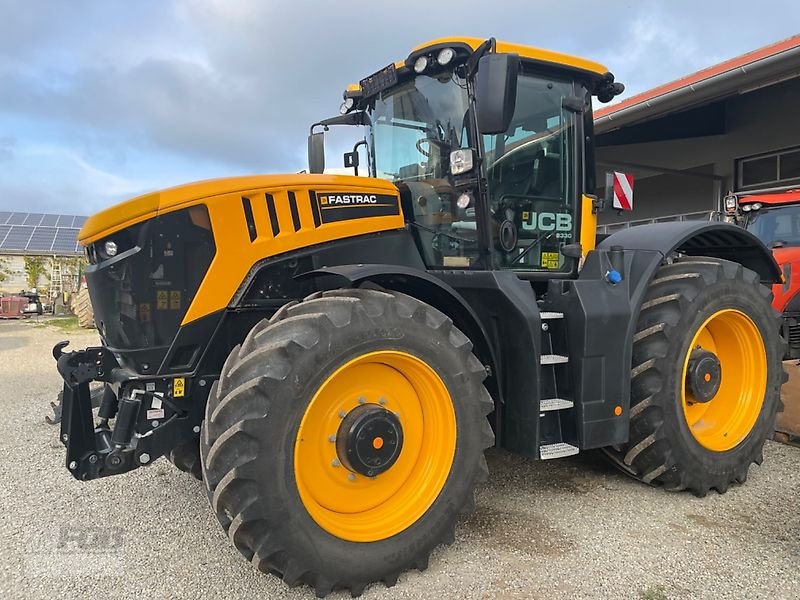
(352, 506)
(723, 422)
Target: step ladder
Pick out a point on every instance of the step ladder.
(555, 410)
(56, 280)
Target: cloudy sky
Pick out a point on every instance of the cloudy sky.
(103, 100)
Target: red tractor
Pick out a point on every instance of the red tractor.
(775, 219)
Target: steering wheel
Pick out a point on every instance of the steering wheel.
(430, 142)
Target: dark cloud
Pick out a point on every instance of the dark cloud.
(238, 83)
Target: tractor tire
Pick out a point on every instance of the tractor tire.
(186, 458)
(684, 435)
(285, 446)
(83, 309)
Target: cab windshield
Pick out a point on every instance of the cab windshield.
(415, 126)
(530, 171)
(530, 174)
(776, 227)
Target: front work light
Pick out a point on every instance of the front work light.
(421, 64)
(346, 105)
(756, 205)
(747, 208)
(461, 161)
(464, 200)
(445, 56)
(110, 248)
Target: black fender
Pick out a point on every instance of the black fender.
(428, 289)
(700, 238)
(602, 317)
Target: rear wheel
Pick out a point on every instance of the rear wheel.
(706, 376)
(344, 438)
(83, 309)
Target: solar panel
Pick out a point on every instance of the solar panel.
(37, 232)
(17, 238)
(42, 239)
(66, 240)
(33, 219)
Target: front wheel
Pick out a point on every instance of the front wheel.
(706, 377)
(344, 438)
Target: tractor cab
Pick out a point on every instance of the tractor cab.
(775, 220)
(490, 146)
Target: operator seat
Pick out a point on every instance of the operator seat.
(548, 177)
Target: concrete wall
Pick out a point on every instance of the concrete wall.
(759, 121)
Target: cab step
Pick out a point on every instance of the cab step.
(553, 359)
(546, 404)
(560, 450)
(547, 315)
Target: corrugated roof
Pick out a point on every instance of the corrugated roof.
(38, 233)
(646, 104)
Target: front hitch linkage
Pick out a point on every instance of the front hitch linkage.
(93, 450)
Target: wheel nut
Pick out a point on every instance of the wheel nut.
(342, 414)
(73, 465)
(93, 459)
(381, 400)
(65, 437)
(351, 477)
(335, 462)
(331, 438)
(144, 458)
(362, 400)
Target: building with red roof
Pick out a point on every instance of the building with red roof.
(734, 126)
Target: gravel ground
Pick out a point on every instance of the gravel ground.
(561, 529)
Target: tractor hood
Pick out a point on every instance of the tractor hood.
(147, 206)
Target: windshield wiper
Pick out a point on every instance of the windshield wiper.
(524, 253)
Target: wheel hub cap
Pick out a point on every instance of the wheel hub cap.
(704, 375)
(369, 440)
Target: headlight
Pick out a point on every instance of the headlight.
(464, 200)
(747, 208)
(421, 64)
(110, 248)
(460, 161)
(346, 105)
(756, 205)
(445, 56)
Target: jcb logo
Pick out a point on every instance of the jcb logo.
(546, 221)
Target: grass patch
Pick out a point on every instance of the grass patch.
(655, 592)
(63, 323)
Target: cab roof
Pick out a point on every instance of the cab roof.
(557, 59)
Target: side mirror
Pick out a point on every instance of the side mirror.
(316, 152)
(496, 92)
(351, 160)
(619, 190)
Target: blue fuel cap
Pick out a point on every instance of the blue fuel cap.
(613, 277)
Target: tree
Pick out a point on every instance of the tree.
(3, 273)
(34, 270)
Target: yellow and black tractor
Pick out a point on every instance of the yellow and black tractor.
(333, 354)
